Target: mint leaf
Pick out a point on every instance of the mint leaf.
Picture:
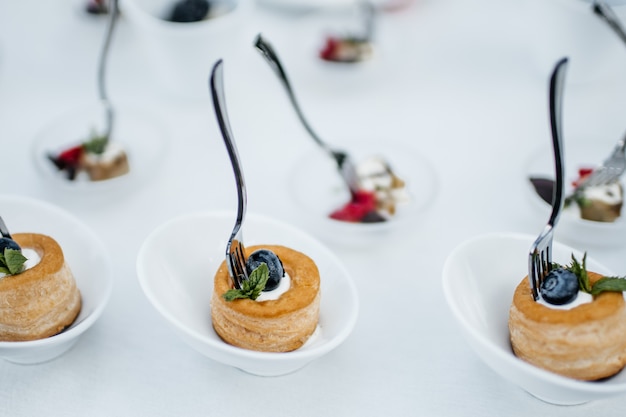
(615, 284)
(251, 287)
(12, 261)
(96, 144)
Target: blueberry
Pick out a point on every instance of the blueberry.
(186, 11)
(7, 243)
(256, 258)
(559, 287)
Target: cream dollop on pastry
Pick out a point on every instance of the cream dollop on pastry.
(280, 325)
(587, 342)
(40, 301)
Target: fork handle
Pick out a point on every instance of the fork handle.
(557, 81)
(219, 101)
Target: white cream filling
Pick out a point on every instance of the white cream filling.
(375, 176)
(609, 193)
(283, 287)
(582, 298)
(113, 151)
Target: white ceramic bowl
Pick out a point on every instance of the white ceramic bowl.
(317, 190)
(139, 131)
(178, 281)
(479, 292)
(182, 54)
(572, 229)
(86, 256)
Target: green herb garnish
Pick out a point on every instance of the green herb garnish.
(12, 261)
(613, 284)
(251, 287)
(96, 144)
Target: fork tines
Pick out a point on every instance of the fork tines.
(540, 260)
(236, 260)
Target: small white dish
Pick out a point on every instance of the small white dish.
(140, 132)
(86, 256)
(178, 281)
(479, 292)
(182, 54)
(572, 229)
(317, 190)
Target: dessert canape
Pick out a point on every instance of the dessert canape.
(348, 49)
(380, 192)
(277, 308)
(38, 296)
(601, 203)
(577, 328)
(98, 158)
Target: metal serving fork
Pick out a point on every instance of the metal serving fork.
(540, 256)
(102, 65)
(4, 231)
(606, 13)
(342, 159)
(235, 250)
(611, 169)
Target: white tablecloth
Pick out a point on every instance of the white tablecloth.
(464, 81)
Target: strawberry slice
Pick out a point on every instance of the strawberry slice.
(582, 174)
(71, 156)
(363, 203)
(329, 52)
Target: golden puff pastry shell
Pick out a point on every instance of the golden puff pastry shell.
(280, 325)
(587, 342)
(41, 301)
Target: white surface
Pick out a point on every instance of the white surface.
(180, 291)
(85, 255)
(465, 89)
(475, 288)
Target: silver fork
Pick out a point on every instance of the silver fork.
(606, 13)
(342, 159)
(235, 249)
(540, 256)
(4, 231)
(102, 65)
(611, 169)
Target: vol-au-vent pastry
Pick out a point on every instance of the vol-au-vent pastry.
(281, 318)
(578, 326)
(97, 159)
(38, 297)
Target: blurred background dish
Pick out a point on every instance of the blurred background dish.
(137, 130)
(572, 228)
(182, 54)
(317, 190)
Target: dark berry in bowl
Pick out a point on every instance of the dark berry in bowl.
(187, 11)
(273, 263)
(7, 243)
(559, 287)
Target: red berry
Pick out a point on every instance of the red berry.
(329, 52)
(71, 156)
(582, 174)
(362, 204)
